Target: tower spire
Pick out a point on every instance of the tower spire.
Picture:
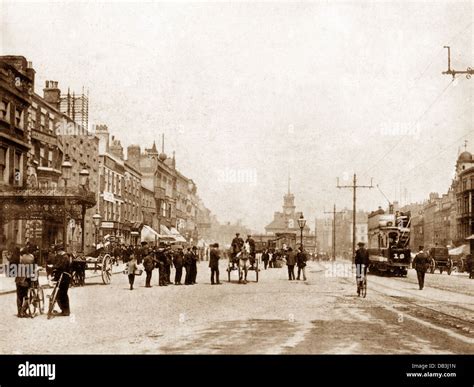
(289, 184)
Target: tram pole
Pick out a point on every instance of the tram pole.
(354, 187)
(334, 212)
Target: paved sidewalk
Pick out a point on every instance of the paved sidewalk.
(7, 284)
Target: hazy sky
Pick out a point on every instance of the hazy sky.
(253, 92)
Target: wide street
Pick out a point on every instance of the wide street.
(322, 315)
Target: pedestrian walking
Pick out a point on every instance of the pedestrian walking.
(290, 262)
(149, 264)
(301, 263)
(214, 256)
(421, 262)
(132, 267)
(178, 262)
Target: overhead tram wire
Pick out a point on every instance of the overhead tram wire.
(434, 156)
(416, 80)
(374, 165)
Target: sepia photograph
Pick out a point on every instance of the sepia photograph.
(311, 160)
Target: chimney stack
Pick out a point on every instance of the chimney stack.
(52, 94)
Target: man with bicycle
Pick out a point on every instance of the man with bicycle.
(62, 270)
(361, 263)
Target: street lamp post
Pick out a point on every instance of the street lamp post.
(301, 223)
(96, 218)
(66, 168)
(83, 181)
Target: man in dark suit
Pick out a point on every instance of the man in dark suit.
(291, 262)
(168, 264)
(149, 264)
(161, 261)
(301, 263)
(214, 257)
(421, 262)
(265, 258)
(63, 266)
(187, 266)
(178, 262)
(194, 260)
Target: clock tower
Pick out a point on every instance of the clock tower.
(289, 202)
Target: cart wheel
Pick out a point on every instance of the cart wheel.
(106, 269)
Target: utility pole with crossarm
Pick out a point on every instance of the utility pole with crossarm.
(354, 187)
(334, 212)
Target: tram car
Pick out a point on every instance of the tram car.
(389, 238)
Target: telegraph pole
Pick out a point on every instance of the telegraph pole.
(354, 187)
(334, 212)
(469, 71)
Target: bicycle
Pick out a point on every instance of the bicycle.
(362, 286)
(53, 297)
(34, 301)
(361, 279)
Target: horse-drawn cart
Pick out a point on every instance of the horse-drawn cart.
(240, 263)
(99, 261)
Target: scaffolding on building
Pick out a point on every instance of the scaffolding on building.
(76, 107)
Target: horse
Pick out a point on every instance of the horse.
(244, 257)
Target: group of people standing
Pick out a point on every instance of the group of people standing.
(298, 259)
(163, 258)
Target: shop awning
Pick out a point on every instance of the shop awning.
(463, 249)
(149, 235)
(166, 234)
(177, 235)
